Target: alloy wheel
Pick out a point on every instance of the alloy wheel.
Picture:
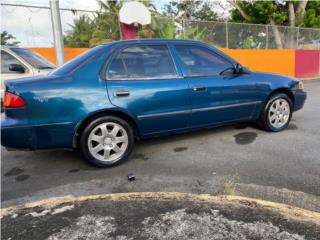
(279, 113)
(108, 142)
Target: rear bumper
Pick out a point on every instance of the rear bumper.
(300, 97)
(16, 135)
(20, 134)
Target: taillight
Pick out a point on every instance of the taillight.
(12, 101)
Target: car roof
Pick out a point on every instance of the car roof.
(5, 47)
(165, 40)
(154, 40)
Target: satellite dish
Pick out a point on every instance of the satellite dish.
(133, 13)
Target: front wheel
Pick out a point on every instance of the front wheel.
(106, 141)
(277, 113)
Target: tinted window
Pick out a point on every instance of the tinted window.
(142, 62)
(201, 61)
(117, 68)
(6, 60)
(33, 58)
(71, 65)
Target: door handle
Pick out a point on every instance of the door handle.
(199, 88)
(121, 93)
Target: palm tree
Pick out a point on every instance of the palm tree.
(80, 33)
(106, 23)
(6, 39)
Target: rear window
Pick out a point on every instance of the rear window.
(142, 62)
(33, 58)
(75, 62)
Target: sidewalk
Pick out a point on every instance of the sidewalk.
(158, 216)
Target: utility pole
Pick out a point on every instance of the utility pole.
(57, 31)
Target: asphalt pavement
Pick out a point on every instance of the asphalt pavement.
(160, 216)
(238, 159)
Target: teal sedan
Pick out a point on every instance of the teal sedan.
(116, 93)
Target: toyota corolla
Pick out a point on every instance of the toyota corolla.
(110, 96)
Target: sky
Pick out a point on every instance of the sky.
(32, 27)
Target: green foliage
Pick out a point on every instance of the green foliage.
(104, 26)
(160, 27)
(194, 33)
(312, 15)
(247, 43)
(186, 15)
(168, 31)
(300, 13)
(198, 10)
(6, 39)
(261, 12)
(80, 34)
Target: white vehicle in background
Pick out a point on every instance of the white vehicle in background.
(20, 62)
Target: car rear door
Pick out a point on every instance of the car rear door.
(142, 80)
(217, 94)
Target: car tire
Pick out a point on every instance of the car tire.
(107, 141)
(277, 113)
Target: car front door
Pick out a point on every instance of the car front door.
(144, 81)
(217, 94)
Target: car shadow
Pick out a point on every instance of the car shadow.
(199, 133)
(72, 158)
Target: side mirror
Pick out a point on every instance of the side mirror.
(17, 68)
(238, 69)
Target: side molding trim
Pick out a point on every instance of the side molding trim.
(156, 115)
(225, 106)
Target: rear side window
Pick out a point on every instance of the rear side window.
(6, 60)
(200, 61)
(140, 62)
(117, 68)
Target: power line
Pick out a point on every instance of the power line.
(46, 7)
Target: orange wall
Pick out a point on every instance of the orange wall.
(273, 61)
(50, 54)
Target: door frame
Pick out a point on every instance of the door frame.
(104, 75)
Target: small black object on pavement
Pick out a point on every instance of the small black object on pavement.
(131, 177)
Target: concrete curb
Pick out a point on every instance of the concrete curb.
(284, 209)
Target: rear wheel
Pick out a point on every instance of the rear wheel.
(106, 141)
(277, 113)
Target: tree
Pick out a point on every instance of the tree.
(290, 13)
(104, 27)
(159, 26)
(106, 24)
(312, 15)
(6, 39)
(186, 16)
(198, 10)
(80, 33)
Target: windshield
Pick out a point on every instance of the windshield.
(33, 58)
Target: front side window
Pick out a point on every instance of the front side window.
(200, 61)
(6, 60)
(138, 62)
